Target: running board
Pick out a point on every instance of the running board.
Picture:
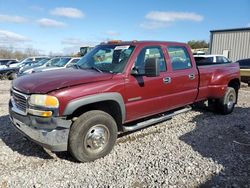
(152, 121)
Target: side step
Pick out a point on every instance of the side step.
(152, 121)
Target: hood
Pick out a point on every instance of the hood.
(45, 82)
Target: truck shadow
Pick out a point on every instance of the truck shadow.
(225, 140)
(10, 136)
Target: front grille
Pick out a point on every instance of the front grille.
(20, 100)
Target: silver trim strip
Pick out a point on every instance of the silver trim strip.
(134, 99)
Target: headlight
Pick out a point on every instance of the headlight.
(44, 101)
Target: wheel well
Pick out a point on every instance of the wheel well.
(235, 83)
(110, 107)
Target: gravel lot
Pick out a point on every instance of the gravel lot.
(194, 149)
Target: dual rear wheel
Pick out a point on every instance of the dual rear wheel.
(226, 104)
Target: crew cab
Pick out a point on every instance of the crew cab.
(116, 87)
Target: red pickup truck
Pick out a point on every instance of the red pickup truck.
(116, 87)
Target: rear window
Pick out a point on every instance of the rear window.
(179, 57)
(203, 60)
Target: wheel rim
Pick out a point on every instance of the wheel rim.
(96, 138)
(231, 101)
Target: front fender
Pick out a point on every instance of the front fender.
(110, 96)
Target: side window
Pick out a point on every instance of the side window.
(179, 58)
(150, 52)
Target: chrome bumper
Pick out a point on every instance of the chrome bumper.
(54, 139)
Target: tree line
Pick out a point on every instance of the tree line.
(196, 44)
(9, 53)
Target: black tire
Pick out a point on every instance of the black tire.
(12, 76)
(86, 133)
(226, 104)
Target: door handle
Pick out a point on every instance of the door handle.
(167, 80)
(191, 76)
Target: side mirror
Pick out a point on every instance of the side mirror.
(134, 71)
(152, 67)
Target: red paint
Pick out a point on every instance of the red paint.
(153, 96)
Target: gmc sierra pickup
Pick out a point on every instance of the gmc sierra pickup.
(117, 87)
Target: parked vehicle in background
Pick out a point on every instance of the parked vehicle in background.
(64, 62)
(28, 59)
(245, 70)
(208, 59)
(11, 72)
(4, 63)
(12, 62)
(28, 69)
(199, 53)
(41, 66)
(116, 87)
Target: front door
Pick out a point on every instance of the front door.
(144, 95)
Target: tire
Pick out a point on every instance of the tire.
(226, 104)
(92, 136)
(12, 76)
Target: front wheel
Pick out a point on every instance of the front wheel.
(92, 136)
(226, 104)
(12, 76)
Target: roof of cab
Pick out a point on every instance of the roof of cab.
(135, 42)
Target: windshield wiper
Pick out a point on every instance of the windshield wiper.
(92, 68)
(96, 69)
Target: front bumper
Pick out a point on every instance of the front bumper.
(51, 133)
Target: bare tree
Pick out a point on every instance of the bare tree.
(10, 53)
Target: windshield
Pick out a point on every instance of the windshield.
(52, 62)
(26, 60)
(62, 62)
(41, 62)
(107, 58)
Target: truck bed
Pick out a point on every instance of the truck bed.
(214, 78)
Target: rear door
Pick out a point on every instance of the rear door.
(184, 77)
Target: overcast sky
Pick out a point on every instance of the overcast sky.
(63, 26)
